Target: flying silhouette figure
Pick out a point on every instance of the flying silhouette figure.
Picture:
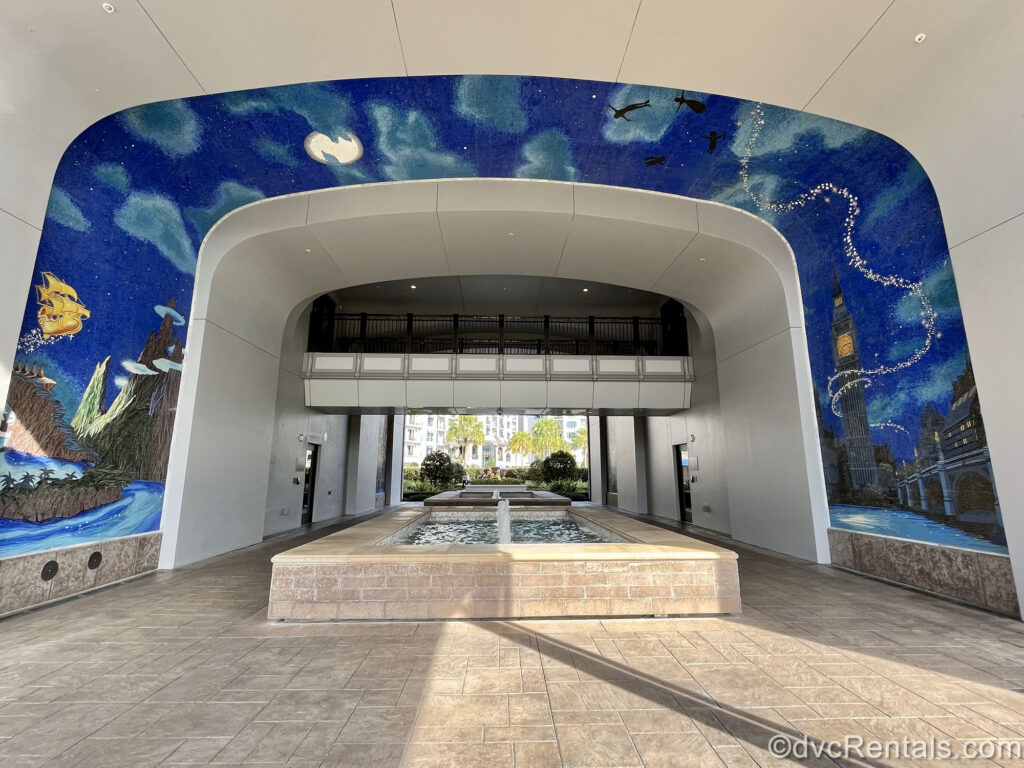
(654, 160)
(617, 113)
(696, 106)
(713, 138)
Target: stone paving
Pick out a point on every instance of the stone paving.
(182, 668)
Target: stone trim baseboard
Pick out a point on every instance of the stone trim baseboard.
(22, 585)
(983, 579)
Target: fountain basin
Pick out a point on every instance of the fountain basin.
(528, 526)
(356, 574)
(491, 496)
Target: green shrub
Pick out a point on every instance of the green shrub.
(560, 466)
(437, 469)
(418, 495)
(411, 472)
(563, 487)
(584, 474)
(516, 473)
(457, 473)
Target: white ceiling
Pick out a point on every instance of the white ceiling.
(952, 101)
(267, 258)
(522, 295)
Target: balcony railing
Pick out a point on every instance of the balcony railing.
(490, 334)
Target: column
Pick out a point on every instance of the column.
(396, 453)
(361, 474)
(596, 459)
(947, 493)
(992, 481)
(640, 455)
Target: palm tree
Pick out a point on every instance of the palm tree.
(581, 442)
(45, 474)
(7, 481)
(27, 481)
(463, 430)
(547, 437)
(521, 443)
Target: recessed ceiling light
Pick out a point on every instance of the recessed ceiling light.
(702, 259)
(108, 7)
(511, 234)
(920, 38)
(413, 287)
(308, 250)
(586, 290)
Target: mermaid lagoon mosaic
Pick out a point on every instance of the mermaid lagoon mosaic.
(87, 424)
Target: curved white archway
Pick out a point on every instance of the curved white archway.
(261, 266)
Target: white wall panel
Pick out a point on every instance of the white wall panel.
(622, 456)
(287, 457)
(227, 451)
(281, 43)
(563, 39)
(17, 237)
(430, 395)
(477, 394)
(662, 477)
(769, 496)
(742, 310)
(989, 275)
(329, 498)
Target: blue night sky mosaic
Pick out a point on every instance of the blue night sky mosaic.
(136, 192)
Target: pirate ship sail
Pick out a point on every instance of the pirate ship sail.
(60, 312)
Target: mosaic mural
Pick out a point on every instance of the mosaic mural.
(85, 433)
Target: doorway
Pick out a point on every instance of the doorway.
(309, 485)
(682, 463)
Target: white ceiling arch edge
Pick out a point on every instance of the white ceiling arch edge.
(261, 264)
(414, 229)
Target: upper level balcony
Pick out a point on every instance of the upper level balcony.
(366, 362)
(495, 335)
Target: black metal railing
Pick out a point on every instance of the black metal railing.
(489, 335)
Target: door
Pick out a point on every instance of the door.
(683, 479)
(309, 486)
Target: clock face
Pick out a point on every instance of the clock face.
(844, 345)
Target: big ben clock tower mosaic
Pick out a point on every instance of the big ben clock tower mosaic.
(846, 354)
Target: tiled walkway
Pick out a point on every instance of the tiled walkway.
(182, 668)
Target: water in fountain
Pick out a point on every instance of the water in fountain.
(504, 523)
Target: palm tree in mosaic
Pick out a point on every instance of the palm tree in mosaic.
(581, 442)
(7, 481)
(463, 430)
(521, 443)
(547, 437)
